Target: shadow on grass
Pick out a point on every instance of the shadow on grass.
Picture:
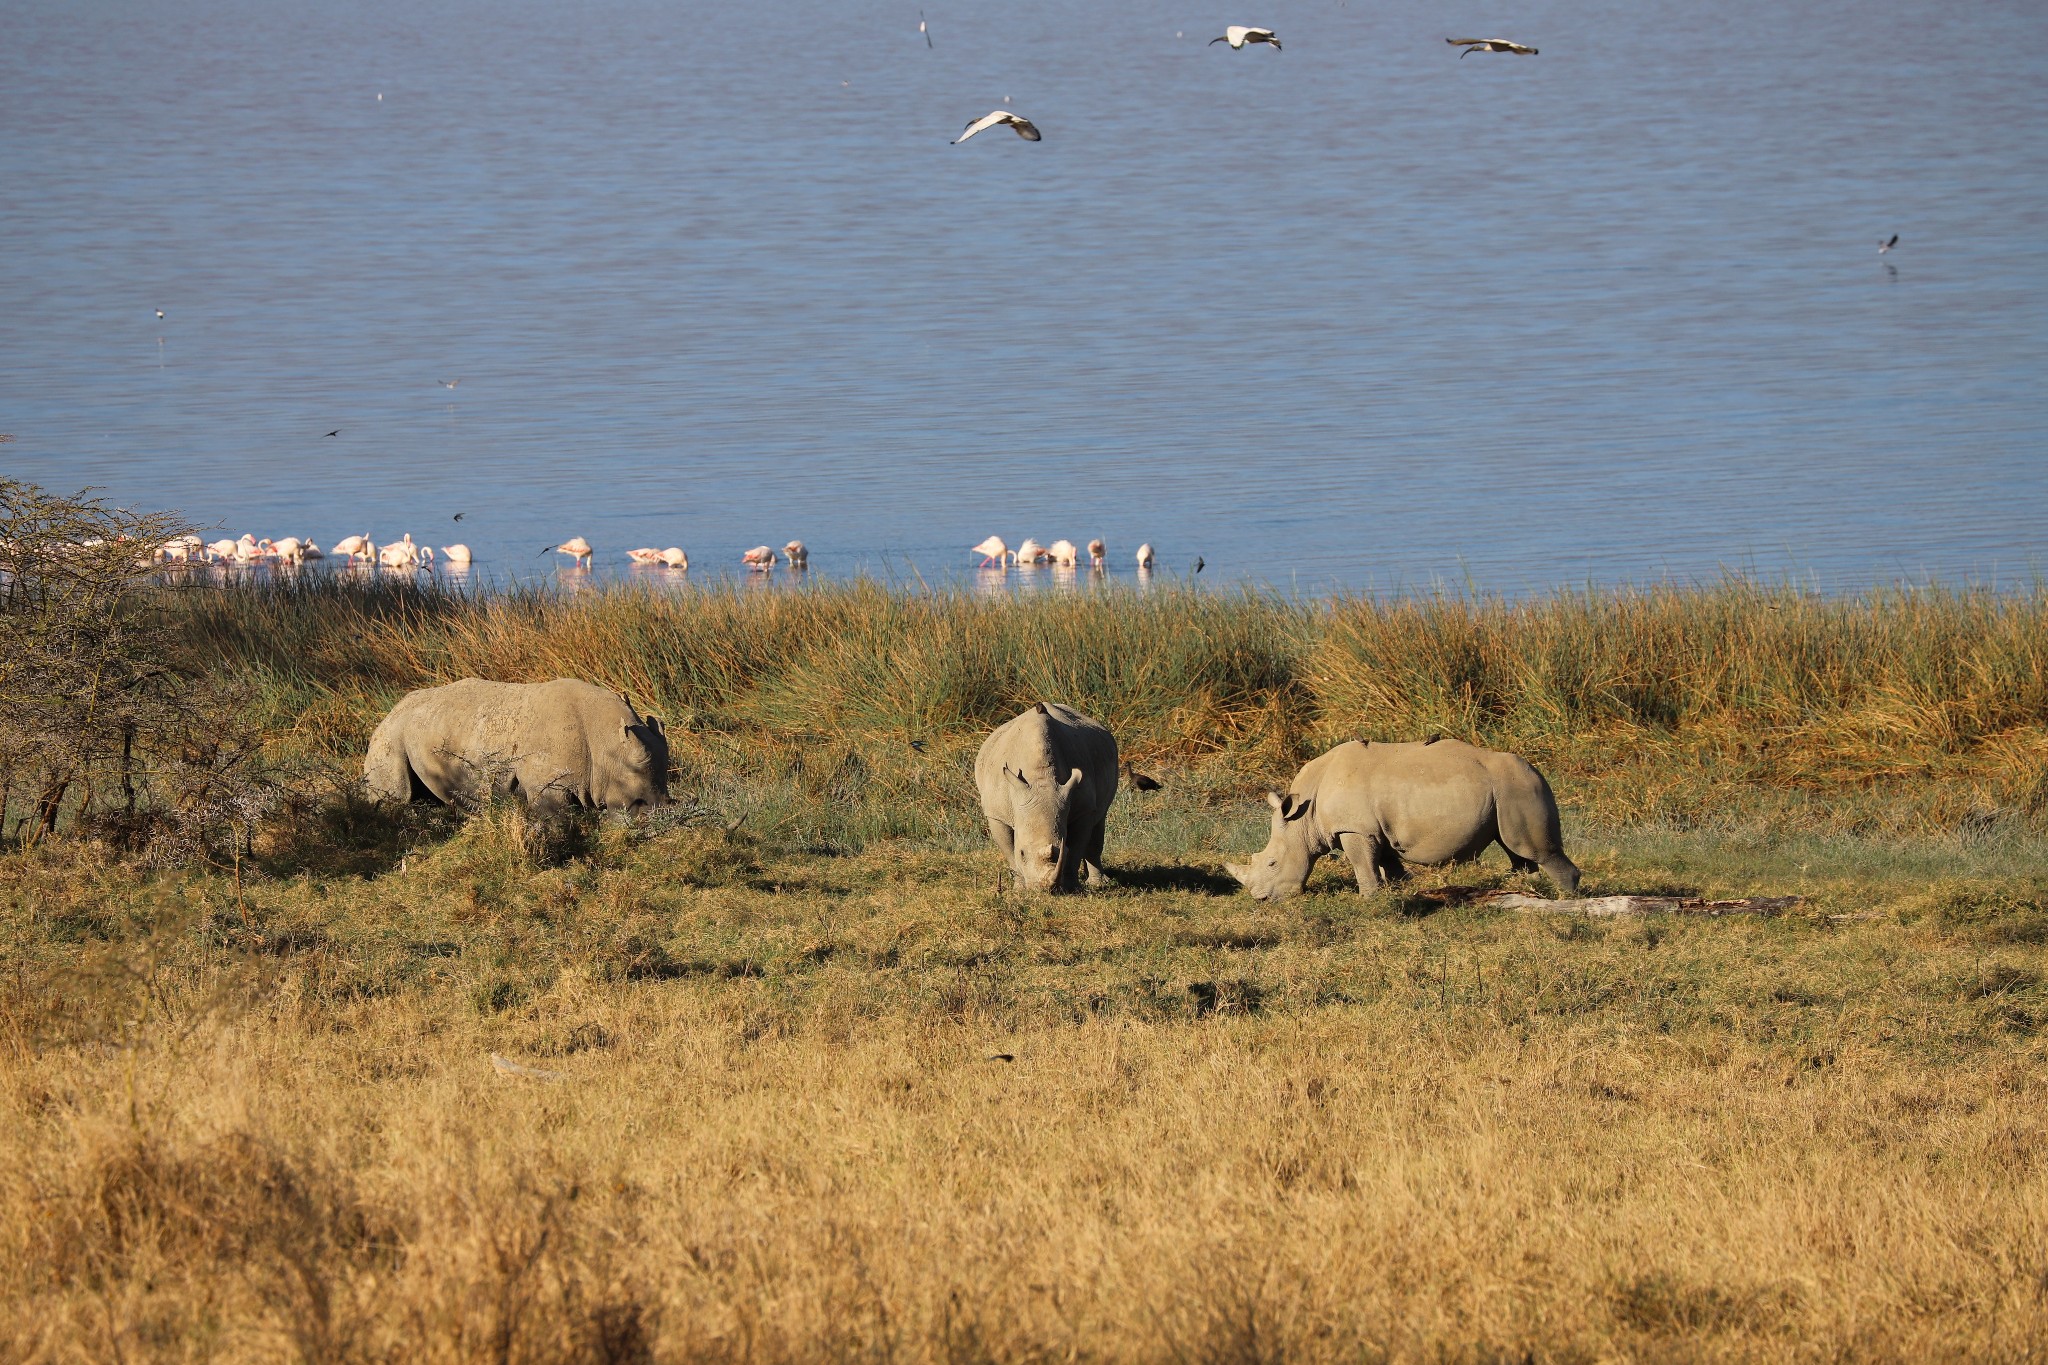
(1170, 878)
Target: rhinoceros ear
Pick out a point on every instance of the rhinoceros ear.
(1008, 772)
(1292, 807)
(654, 723)
(1277, 802)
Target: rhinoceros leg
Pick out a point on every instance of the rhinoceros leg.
(1374, 864)
(1091, 854)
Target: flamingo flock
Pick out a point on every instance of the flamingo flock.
(407, 555)
(995, 552)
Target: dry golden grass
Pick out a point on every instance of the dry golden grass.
(825, 1093)
(865, 1107)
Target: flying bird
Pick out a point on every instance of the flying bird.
(1198, 563)
(1883, 247)
(1141, 781)
(460, 515)
(922, 29)
(1237, 35)
(917, 744)
(335, 432)
(1472, 45)
(1023, 127)
(450, 383)
(159, 315)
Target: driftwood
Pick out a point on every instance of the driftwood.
(1605, 907)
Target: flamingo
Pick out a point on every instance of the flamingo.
(675, 558)
(290, 550)
(1030, 552)
(1098, 553)
(179, 549)
(1237, 35)
(398, 556)
(311, 551)
(644, 556)
(577, 548)
(249, 549)
(992, 551)
(455, 554)
(1472, 45)
(1063, 552)
(760, 557)
(1145, 556)
(1023, 127)
(356, 547)
(798, 556)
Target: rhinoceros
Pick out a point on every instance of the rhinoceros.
(1386, 805)
(1046, 780)
(555, 744)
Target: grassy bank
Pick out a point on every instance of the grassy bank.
(1740, 704)
(813, 1087)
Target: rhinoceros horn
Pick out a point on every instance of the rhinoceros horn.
(1240, 873)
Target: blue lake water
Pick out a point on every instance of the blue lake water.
(1355, 314)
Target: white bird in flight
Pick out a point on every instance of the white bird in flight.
(1472, 45)
(1023, 127)
(1237, 35)
(1883, 247)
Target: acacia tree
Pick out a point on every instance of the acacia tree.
(99, 715)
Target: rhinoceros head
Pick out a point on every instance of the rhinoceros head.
(1280, 869)
(633, 771)
(1040, 855)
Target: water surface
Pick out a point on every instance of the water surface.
(1354, 314)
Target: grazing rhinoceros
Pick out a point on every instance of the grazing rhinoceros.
(1438, 801)
(1046, 780)
(555, 743)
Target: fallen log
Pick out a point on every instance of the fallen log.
(1605, 907)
